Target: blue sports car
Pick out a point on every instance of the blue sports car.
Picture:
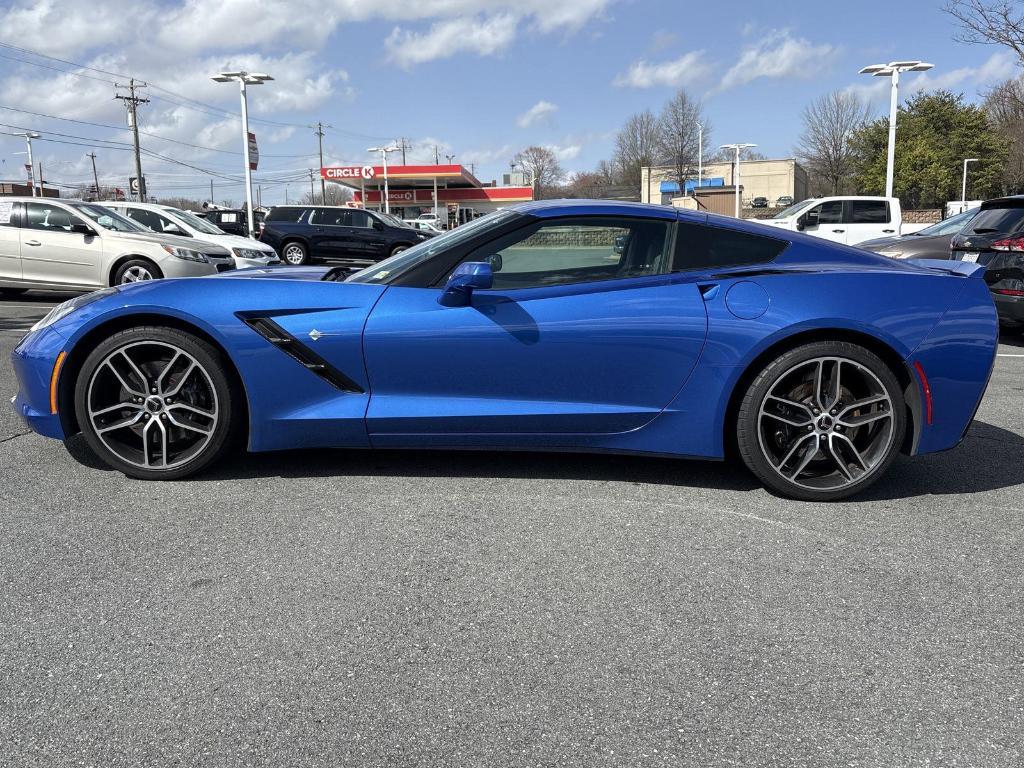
(562, 325)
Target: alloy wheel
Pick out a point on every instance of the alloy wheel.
(826, 423)
(294, 254)
(136, 273)
(153, 405)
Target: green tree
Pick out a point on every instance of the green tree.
(934, 133)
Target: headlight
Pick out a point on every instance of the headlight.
(186, 253)
(63, 310)
(252, 253)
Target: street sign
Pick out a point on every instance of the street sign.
(31, 177)
(133, 185)
(254, 152)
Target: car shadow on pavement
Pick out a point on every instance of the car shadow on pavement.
(988, 459)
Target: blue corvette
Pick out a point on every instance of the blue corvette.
(565, 325)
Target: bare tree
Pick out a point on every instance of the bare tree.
(830, 122)
(678, 136)
(991, 22)
(336, 195)
(636, 146)
(1005, 107)
(541, 165)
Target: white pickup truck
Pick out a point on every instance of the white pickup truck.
(848, 220)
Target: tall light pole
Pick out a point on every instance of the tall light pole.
(736, 173)
(963, 189)
(384, 159)
(244, 79)
(892, 70)
(29, 135)
(700, 155)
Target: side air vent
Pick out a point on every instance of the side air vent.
(298, 351)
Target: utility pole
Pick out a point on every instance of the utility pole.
(95, 176)
(211, 191)
(403, 145)
(437, 160)
(42, 192)
(131, 101)
(323, 184)
(312, 194)
(29, 135)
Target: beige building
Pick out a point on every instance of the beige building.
(758, 178)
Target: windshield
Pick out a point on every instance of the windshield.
(949, 226)
(794, 209)
(108, 219)
(390, 218)
(198, 224)
(387, 270)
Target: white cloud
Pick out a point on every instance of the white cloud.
(565, 152)
(1000, 66)
(777, 55)
(542, 110)
(484, 37)
(686, 70)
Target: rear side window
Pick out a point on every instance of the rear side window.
(705, 247)
(285, 214)
(1004, 221)
(869, 212)
(331, 217)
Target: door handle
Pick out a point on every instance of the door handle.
(888, 231)
(32, 242)
(839, 231)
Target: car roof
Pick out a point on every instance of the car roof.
(1010, 201)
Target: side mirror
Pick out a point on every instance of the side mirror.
(378, 225)
(174, 229)
(467, 277)
(495, 261)
(83, 229)
(809, 219)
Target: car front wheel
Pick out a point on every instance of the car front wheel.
(137, 270)
(822, 421)
(155, 403)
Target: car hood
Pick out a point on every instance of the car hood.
(237, 241)
(281, 272)
(180, 242)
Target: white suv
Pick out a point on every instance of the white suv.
(71, 245)
(174, 221)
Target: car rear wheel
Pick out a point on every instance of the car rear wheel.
(155, 403)
(137, 270)
(822, 421)
(295, 254)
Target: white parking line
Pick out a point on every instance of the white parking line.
(1004, 354)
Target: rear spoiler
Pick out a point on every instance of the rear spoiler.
(950, 266)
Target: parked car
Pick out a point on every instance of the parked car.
(69, 244)
(174, 221)
(759, 202)
(929, 243)
(849, 220)
(784, 201)
(355, 237)
(995, 238)
(234, 222)
(423, 226)
(433, 219)
(526, 329)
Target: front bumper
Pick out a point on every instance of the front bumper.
(173, 267)
(264, 261)
(1010, 308)
(33, 360)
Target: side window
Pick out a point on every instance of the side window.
(830, 212)
(869, 212)
(327, 217)
(9, 213)
(360, 218)
(706, 247)
(49, 218)
(148, 219)
(566, 251)
(291, 215)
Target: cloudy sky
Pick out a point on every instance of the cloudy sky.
(479, 79)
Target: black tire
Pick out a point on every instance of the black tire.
(133, 271)
(758, 432)
(221, 432)
(399, 248)
(294, 253)
(6, 293)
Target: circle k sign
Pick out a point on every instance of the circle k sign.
(350, 172)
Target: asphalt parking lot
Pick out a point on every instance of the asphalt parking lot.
(414, 609)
